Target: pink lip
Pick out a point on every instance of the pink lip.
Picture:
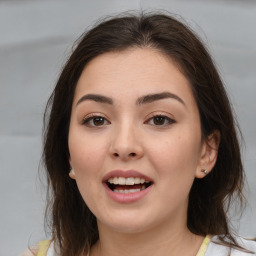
(129, 197)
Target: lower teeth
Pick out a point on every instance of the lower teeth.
(126, 191)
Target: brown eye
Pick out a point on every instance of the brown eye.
(95, 121)
(160, 120)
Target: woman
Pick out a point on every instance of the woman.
(140, 147)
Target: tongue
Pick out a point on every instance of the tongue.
(123, 187)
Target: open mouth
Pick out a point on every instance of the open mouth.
(127, 185)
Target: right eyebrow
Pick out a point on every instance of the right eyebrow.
(96, 98)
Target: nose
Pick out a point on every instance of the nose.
(126, 144)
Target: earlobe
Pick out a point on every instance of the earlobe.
(72, 173)
(209, 154)
(204, 171)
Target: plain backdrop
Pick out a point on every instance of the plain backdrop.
(36, 38)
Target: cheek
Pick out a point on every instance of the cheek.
(175, 164)
(87, 158)
(176, 156)
(86, 152)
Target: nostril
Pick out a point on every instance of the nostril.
(123, 155)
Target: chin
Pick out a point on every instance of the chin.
(127, 224)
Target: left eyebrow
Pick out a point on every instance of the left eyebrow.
(158, 96)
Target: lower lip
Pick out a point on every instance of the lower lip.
(128, 197)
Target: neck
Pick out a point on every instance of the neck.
(161, 240)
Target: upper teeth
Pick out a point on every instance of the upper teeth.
(126, 181)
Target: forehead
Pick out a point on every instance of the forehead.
(133, 71)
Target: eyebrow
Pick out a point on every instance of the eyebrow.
(140, 101)
(96, 98)
(158, 96)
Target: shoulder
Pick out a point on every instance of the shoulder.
(44, 248)
(31, 251)
(215, 248)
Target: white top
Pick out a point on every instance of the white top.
(50, 251)
(213, 249)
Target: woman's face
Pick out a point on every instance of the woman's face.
(135, 140)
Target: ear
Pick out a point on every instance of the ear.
(208, 154)
(72, 173)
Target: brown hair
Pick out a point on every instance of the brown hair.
(73, 226)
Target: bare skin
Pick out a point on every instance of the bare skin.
(184, 243)
(134, 110)
(31, 252)
(128, 137)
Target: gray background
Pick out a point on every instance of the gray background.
(36, 37)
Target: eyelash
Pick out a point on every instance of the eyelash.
(167, 120)
(86, 121)
(92, 118)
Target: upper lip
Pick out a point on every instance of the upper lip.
(126, 174)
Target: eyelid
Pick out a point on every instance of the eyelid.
(90, 117)
(170, 119)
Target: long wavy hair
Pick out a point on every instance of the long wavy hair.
(73, 226)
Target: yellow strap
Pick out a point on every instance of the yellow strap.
(204, 246)
(43, 247)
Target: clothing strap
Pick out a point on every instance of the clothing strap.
(204, 246)
(43, 247)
